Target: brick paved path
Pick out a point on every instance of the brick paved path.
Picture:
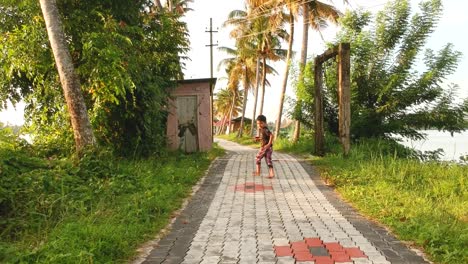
(238, 218)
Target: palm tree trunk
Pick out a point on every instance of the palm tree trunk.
(286, 74)
(260, 112)
(169, 5)
(158, 4)
(228, 130)
(82, 130)
(302, 63)
(244, 103)
(257, 83)
(223, 122)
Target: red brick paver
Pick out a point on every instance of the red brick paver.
(283, 251)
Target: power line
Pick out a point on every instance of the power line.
(273, 30)
(266, 12)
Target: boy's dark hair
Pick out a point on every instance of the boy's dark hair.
(261, 118)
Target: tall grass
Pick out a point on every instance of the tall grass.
(97, 211)
(426, 203)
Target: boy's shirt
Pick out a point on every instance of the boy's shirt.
(265, 135)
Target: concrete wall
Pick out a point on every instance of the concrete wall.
(201, 89)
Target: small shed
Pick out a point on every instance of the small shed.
(236, 122)
(189, 123)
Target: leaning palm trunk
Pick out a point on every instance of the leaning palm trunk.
(262, 99)
(81, 125)
(285, 79)
(228, 129)
(241, 129)
(302, 63)
(244, 103)
(257, 82)
(158, 4)
(169, 5)
(224, 125)
(223, 120)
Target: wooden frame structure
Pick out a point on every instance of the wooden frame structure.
(344, 97)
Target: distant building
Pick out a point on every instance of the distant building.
(236, 122)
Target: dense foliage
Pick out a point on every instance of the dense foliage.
(127, 58)
(388, 94)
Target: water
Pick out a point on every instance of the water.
(453, 147)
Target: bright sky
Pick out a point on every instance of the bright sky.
(450, 29)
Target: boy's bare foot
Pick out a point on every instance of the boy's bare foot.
(270, 176)
(255, 174)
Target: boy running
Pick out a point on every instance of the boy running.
(266, 149)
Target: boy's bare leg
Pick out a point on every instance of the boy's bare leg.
(271, 172)
(257, 170)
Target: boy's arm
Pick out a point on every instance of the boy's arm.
(270, 142)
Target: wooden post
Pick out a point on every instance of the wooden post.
(319, 134)
(344, 95)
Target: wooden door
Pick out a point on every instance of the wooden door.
(187, 123)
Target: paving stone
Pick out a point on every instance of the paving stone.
(211, 260)
(376, 258)
(191, 261)
(247, 260)
(361, 261)
(319, 251)
(154, 260)
(173, 260)
(323, 260)
(285, 260)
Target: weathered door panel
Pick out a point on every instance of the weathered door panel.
(187, 123)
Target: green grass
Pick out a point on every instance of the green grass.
(245, 140)
(100, 211)
(302, 147)
(425, 203)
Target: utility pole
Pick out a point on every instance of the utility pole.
(211, 45)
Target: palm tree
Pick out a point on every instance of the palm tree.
(263, 29)
(82, 130)
(315, 14)
(223, 105)
(234, 101)
(178, 6)
(234, 70)
(270, 49)
(242, 29)
(249, 74)
(243, 70)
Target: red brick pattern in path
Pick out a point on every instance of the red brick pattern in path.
(301, 251)
(251, 187)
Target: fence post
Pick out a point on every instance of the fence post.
(344, 95)
(318, 124)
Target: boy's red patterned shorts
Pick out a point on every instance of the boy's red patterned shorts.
(265, 153)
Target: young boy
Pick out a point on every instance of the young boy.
(266, 149)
